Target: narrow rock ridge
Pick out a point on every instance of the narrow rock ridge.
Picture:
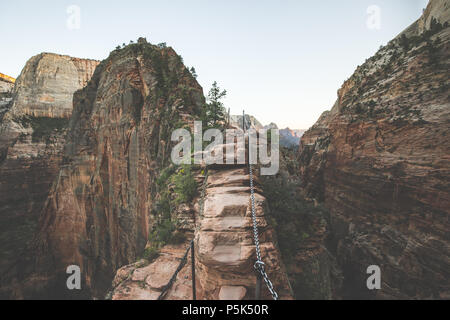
(224, 248)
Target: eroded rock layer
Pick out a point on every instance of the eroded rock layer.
(379, 161)
(47, 82)
(97, 214)
(6, 87)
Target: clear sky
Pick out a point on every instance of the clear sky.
(283, 61)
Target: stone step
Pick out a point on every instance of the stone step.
(232, 292)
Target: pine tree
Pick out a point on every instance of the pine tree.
(193, 72)
(215, 110)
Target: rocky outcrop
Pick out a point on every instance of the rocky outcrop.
(46, 85)
(250, 122)
(224, 249)
(6, 87)
(32, 136)
(379, 162)
(97, 215)
(145, 281)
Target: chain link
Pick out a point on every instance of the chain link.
(183, 261)
(259, 264)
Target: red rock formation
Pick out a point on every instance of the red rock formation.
(97, 215)
(379, 161)
(31, 143)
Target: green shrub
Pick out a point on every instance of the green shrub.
(44, 127)
(185, 185)
(290, 214)
(177, 237)
(359, 109)
(176, 185)
(164, 176)
(150, 253)
(162, 232)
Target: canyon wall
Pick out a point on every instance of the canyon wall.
(6, 87)
(32, 135)
(379, 161)
(46, 85)
(97, 215)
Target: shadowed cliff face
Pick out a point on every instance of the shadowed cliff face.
(379, 161)
(97, 215)
(31, 144)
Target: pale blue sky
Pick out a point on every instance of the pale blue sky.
(282, 61)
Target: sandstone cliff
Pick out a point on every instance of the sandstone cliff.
(379, 161)
(32, 129)
(6, 87)
(46, 85)
(97, 215)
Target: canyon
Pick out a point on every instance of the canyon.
(86, 179)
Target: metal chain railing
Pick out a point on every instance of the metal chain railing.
(259, 264)
(203, 193)
(169, 284)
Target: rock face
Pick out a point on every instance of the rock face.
(32, 131)
(6, 83)
(379, 161)
(144, 281)
(97, 215)
(250, 122)
(6, 87)
(46, 85)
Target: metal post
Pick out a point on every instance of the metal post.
(243, 120)
(258, 286)
(194, 295)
